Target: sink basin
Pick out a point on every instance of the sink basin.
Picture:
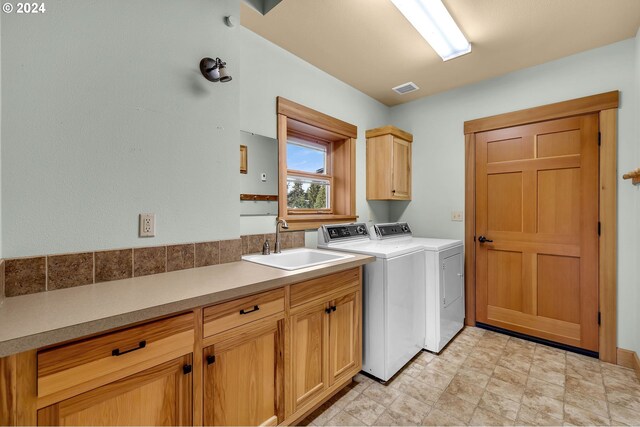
(295, 259)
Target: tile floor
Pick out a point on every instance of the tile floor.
(486, 378)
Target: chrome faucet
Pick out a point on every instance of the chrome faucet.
(276, 246)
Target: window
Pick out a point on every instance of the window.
(308, 175)
(316, 167)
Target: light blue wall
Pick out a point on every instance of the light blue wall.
(107, 115)
(437, 125)
(269, 71)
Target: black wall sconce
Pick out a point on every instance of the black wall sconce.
(214, 70)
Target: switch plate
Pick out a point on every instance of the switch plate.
(147, 225)
(456, 216)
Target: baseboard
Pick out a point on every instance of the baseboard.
(629, 359)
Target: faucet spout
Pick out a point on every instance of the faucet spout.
(281, 223)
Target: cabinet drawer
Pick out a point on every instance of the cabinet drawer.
(324, 287)
(80, 366)
(228, 315)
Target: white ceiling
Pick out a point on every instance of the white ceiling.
(371, 46)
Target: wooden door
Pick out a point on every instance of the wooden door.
(309, 352)
(401, 169)
(243, 377)
(344, 337)
(537, 200)
(161, 396)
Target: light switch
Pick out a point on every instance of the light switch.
(456, 216)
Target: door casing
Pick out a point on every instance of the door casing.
(606, 105)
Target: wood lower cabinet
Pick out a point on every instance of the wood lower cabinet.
(325, 349)
(161, 396)
(243, 377)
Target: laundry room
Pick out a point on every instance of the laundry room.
(304, 212)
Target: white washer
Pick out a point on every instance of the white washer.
(444, 285)
(393, 294)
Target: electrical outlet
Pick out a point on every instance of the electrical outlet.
(147, 225)
(456, 216)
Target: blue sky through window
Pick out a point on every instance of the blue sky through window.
(304, 158)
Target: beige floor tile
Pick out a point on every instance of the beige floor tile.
(619, 373)
(424, 358)
(409, 408)
(454, 357)
(443, 365)
(584, 375)
(440, 418)
(482, 417)
(474, 331)
(361, 382)
(390, 419)
(505, 389)
(499, 405)
(344, 397)
(364, 409)
(545, 389)
(465, 390)
(435, 378)
(344, 419)
(478, 365)
(624, 400)
(322, 415)
(531, 417)
(484, 355)
(624, 415)
(549, 364)
(544, 373)
(417, 389)
(578, 416)
(546, 404)
(588, 402)
(412, 370)
(585, 363)
(384, 395)
(455, 406)
(612, 384)
(509, 376)
(584, 387)
(474, 377)
(516, 362)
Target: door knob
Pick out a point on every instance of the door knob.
(483, 239)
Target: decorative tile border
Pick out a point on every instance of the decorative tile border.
(22, 276)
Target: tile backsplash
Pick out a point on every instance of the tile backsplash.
(21, 276)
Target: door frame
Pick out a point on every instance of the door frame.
(606, 105)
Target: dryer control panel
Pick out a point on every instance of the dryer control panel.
(395, 229)
(342, 232)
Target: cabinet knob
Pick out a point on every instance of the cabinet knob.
(211, 359)
(186, 369)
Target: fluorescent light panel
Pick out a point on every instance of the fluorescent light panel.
(436, 26)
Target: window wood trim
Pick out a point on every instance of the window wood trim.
(299, 121)
(606, 105)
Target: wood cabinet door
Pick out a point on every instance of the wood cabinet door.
(309, 353)
(537, 204)
(344, 337)
(401, 169)
(160, 396)
(243, 377)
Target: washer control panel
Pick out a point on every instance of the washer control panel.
(395, 229)
(338, 232)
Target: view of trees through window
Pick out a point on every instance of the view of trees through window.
(308, 181)
(302, 195)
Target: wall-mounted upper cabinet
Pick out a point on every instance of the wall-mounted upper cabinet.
(388, 164)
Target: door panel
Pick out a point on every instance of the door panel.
(343, 333)
(537, 199)
(401, 168)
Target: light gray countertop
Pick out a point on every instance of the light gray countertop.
(31, 321)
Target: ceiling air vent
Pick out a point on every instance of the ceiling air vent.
(406, 88)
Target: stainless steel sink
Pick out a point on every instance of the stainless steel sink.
(295, 259)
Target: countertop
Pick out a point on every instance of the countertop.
(37, 320)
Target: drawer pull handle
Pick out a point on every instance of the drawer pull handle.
(211, 359)
(334, 308)
(117, 352)
(330, 309)
(255, 308)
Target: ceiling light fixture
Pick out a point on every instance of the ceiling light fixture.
(436, 26)
(214, 70)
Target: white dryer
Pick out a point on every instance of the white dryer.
(444, 286)
(393, 295)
